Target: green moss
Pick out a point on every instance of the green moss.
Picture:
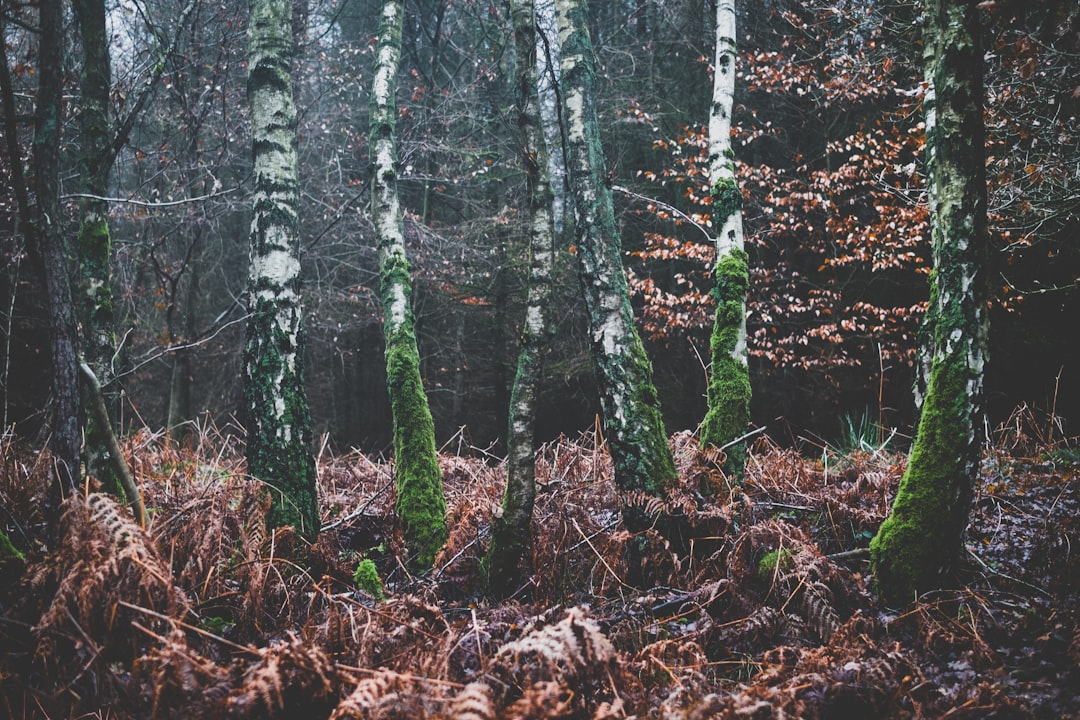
(639, 444)
(918, 544)
(285, 463)
(420, 505)
(726, 200)
(773, 562)
(8, 551)
(367, 580)
(729, 380)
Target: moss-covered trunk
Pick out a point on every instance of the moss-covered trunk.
(420, 504)
(729, 377)
(93, 295)
(279, 426)
(510, 531)
(629, 403)
(918, 546)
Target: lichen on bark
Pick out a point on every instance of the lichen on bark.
(629, 403)
(279, 423)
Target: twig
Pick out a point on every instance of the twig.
(358, 513)
(101, 416)
(747, 436)
(599, 556)
(661, 203)
(144, 203)
(186, 626)
(992, 571)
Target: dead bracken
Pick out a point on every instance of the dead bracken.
(749, 601)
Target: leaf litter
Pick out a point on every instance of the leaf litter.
(749, 601)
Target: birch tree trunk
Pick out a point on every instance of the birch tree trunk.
(631, 410)
(48, 236)
(279, 432)
(510, 531)
(421, 506)
(918, 546)
(729, 380)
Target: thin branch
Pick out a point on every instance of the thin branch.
(101, 415)
(123, 130)
(661, 203)
(144, 203)
(177, 348)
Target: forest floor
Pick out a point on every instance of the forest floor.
(750, 602)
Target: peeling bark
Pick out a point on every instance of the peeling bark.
(421, 506)
(729, 380)
(279, 425)
(919, 544)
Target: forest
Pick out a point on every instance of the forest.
(539, 358)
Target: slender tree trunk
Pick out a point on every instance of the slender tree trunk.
(918, 546)
(48, 232)
(631, 410)
(729, 380)
(279, 432)
(421, 506)
(510, 531)
(94, 286)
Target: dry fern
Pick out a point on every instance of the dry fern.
(474, 702)
(289, 677)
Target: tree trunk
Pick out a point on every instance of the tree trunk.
(48, 232)
(918, 546)
(510, 531)
(631, 410)
(279, 425)
(94, 287)
(421, 506)
(729, 380)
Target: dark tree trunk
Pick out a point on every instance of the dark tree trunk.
(48, 232)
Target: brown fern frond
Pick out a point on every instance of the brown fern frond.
(288, 677)
(183, 683)
(816, 606)
(474, 702)
(370, 693)
(104, 559)
(543, 699)
(572, 647)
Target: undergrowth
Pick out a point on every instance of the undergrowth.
(740, 601)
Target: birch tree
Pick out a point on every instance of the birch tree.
(729, 381)
(510, 530)
(919, 544)
(420, 504)
(279, 432)
(628, 399)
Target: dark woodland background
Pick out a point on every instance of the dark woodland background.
(828, 147)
